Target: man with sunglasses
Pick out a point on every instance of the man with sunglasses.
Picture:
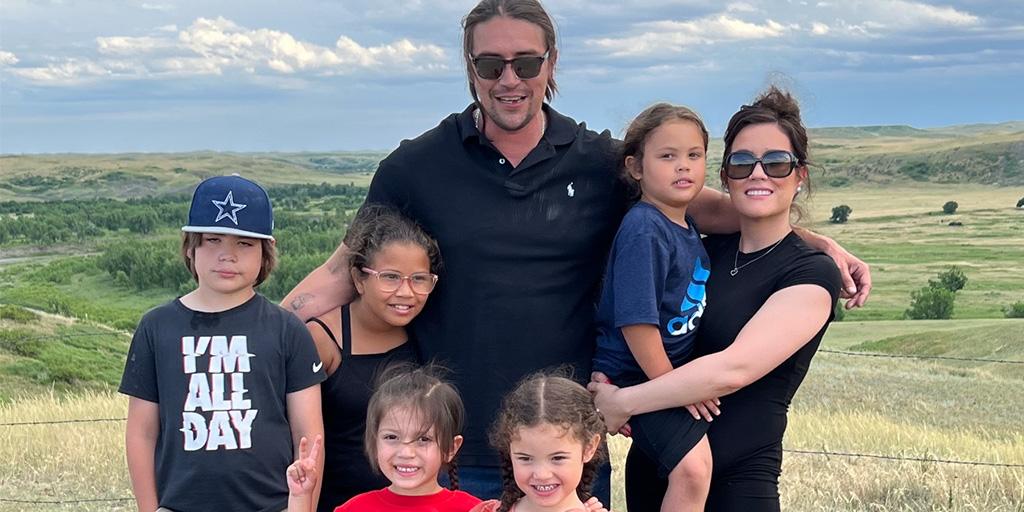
(523, 202)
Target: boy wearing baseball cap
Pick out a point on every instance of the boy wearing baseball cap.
(222, 383)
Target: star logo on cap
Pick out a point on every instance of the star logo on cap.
(224, 206)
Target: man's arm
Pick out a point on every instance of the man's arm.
(855, 272)
(141, 431)
(306, 419)
(714, 212)
(325, 288)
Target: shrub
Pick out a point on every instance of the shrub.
(930, 303)
(840, 214)
(952, 279)
(21, 342)
(17, 314)
(950, 207)
(1015, 310)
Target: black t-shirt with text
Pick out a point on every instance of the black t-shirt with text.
(221, 380)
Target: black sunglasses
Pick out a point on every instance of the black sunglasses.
(776, 164)
(491, 68)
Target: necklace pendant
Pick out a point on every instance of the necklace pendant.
(734, 271)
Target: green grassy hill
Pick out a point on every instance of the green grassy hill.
(990, 154)
(129, 175)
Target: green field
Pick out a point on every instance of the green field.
(67, 320)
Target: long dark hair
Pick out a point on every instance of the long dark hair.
(530, 11)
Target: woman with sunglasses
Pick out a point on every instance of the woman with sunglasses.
(393, 265)
(770, 299)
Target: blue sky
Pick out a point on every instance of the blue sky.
(162, 75)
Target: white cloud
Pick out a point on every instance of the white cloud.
(904, 13)
(678, 35)
(877, 19)
(740, 7)
(167, 28)
(8, 58)
(217, 46)
(120, 45)
(71, 71)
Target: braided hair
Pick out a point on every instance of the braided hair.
(555, 400)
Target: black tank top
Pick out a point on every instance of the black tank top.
(345, 396)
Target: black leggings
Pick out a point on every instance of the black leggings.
(645, 490)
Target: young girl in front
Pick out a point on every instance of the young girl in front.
(653, 294)
(394, 268)
(413, 427)
(552, 441)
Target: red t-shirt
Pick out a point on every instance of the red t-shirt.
(386, 501)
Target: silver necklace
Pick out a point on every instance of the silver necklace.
(736, 269)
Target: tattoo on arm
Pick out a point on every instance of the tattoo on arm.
(298, 302)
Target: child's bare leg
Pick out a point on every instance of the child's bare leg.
(690, 481)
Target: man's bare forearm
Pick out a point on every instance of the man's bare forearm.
(325, 288)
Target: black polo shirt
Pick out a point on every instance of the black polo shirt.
(524, 251)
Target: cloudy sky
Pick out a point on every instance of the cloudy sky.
(254, 75)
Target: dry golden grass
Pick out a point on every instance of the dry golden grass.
(813, 482)
(64, 462)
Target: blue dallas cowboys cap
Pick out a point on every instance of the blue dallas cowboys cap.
(231, 205)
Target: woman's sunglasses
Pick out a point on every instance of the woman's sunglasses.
(776, 164)
(491, 68)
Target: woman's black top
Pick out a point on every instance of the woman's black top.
(344, 396)
(747, 438)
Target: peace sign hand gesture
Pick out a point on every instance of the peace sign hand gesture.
(302, 474)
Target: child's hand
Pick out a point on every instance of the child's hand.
(302, 475)
(593, 505)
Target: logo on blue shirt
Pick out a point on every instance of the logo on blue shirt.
(693, 304)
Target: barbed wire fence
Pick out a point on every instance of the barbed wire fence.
(818, 453)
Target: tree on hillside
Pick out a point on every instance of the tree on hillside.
(952, 279)
(935, 301)
(930, 303)
(1015, 310)
(840, 214)
(950, 207)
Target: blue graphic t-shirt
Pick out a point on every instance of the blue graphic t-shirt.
(656, 274)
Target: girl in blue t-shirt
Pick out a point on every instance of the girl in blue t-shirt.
(653, 293)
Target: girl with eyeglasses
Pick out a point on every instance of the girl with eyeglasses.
(394, 266)
(770, 299)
